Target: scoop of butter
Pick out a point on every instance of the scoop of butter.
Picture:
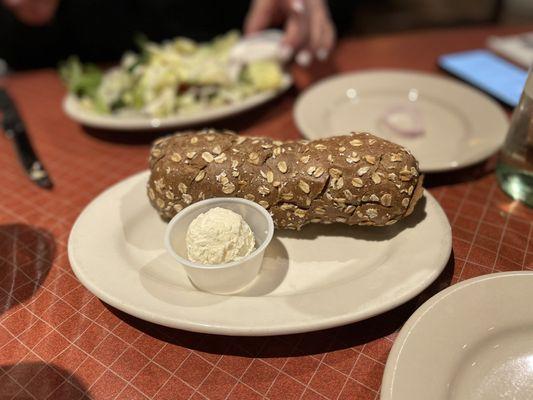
(218, 236)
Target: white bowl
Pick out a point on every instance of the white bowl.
(224, 278)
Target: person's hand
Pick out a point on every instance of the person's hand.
(32, 12)
(309, 31)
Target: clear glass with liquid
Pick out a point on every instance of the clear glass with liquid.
(515, 165)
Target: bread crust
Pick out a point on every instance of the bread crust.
(357, 179)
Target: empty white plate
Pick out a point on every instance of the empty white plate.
(445, 123)
(472, 341)
(74, 110)
(320, 277)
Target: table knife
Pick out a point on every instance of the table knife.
(16, 131)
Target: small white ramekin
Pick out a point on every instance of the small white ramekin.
(224, 278)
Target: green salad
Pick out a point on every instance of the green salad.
(174, 77)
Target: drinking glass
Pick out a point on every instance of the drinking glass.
(515, 166)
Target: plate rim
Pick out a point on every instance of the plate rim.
(391, 365)
(428, 74)
(308, 326)
(141, 124)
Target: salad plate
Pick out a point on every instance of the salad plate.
(177, 83)
(73, 108)
(473, 340)
(445, 123)
(320, 277)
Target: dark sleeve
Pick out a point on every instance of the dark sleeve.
(342, 13)
(101, 30)
(22, 46)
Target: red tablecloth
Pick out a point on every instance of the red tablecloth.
(58, 341)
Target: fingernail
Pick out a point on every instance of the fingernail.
(298, 6)
(303, 58)
(322, 54)
(285, 52)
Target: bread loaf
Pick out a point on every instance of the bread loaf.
(357, 179)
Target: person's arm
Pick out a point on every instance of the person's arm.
(309, 30)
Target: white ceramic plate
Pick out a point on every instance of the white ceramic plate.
(323, 276)
(461, 125)
(472, 341)
(73, 109)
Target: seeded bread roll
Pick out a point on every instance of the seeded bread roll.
(358, 179)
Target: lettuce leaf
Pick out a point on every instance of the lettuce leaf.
(81, 80)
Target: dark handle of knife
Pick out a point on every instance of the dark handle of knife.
(28, 158)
